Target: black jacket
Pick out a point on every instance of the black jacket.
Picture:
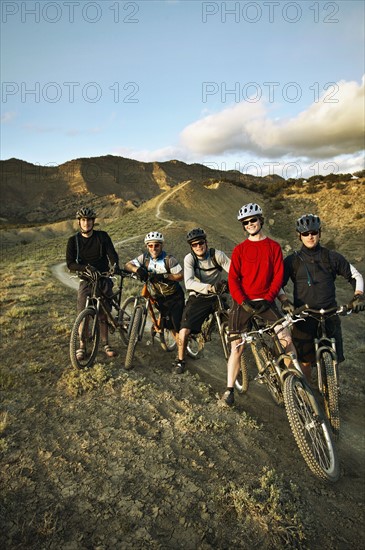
(97, 250)
(314, 276)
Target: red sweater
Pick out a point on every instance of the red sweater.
(257, 270)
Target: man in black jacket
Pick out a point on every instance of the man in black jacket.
(313, 270)
(92, 250)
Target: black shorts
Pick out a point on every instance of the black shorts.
(239, 319)
(196, 310)
(304, 333)
(85, 291)
(171, 308)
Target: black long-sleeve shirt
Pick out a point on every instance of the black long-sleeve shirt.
(97, 250)
(314, 279)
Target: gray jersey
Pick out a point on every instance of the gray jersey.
(198, 281)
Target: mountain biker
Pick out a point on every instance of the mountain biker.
(254, 280)
(164, 272)
(313, 270)
(203, 279)
(91, 250)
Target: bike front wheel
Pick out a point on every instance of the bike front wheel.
(133, 337)
(267, 373)
(127, 310)
(310, 429)
(330, 393)
(242, 381)
(86, 330)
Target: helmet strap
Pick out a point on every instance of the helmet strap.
(83, 232)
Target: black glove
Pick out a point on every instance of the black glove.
(261, 305)
(156, 277)
(221, 287)
(116, 270)
(287, 307)
(142, 274)
(358, 303)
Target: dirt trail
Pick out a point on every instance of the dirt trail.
(61, 272)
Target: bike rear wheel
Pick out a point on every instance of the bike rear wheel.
(330, 393)
(133, 337)
(167, 340)
(310, 429)
(86, 329)
(195, 346)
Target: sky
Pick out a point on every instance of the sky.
(257, 86)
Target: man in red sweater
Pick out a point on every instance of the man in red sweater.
(255, 278)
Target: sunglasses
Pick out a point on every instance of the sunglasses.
(307, 233)
(154, 245)
(198, 243)
(251, 220)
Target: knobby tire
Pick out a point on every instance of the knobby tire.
(87, 329)
(133, 337)
(127, 314)
(330, 393)
(242, 380)
(310, 429)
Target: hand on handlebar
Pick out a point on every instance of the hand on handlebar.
(142, 274)
(358, 303)
(220, 288)
(157, 277)
(287, 307)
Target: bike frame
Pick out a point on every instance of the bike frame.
(146, 301)
(323, 343)
(278, 358)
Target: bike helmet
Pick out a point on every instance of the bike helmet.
(154, 236)
(308, 222)
(196, 234)
(85, 212)
(248, 210)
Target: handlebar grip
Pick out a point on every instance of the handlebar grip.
(299, 310)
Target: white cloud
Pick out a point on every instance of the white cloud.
(325, 129)
(7, 117)
(145, 155)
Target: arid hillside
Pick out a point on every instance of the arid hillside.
(32, 193)
(147, 459)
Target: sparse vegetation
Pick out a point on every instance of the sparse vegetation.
(146, 459)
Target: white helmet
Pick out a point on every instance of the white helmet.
(248, 210)
(154, 236)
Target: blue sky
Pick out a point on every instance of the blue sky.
(263, 87)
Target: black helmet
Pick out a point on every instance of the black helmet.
(196, 234)
(85, 212)
(308, 222)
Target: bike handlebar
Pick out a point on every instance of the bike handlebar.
(345, 309)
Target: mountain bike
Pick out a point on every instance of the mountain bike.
(217, 322)
(135, 311)
(288, 386)
(86, 329)
(327, 363)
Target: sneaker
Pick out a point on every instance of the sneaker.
(228, 398)
(179, 366)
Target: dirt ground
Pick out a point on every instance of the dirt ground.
(147, 459)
